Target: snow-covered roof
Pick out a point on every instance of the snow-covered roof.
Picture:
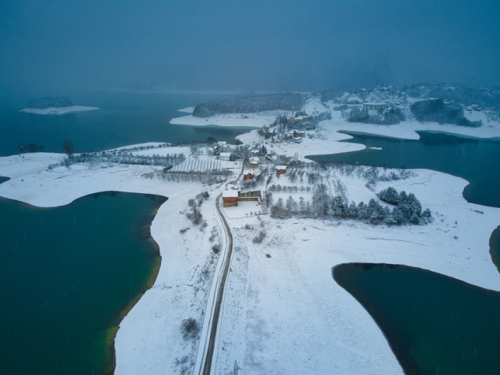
(281, 167)
(254, 160)
(230, 194)
(228, 154)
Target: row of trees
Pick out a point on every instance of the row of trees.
(391, 116)
(121, 157)
(206, 177)
(407, 211)
(30, 147)
(252, 104)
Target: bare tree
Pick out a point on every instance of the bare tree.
(68, 147)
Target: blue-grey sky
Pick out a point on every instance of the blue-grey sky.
(247, 45)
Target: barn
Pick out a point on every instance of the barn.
(280, 169)
(230, 198)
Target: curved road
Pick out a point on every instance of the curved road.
(207, 350)
(218, 302)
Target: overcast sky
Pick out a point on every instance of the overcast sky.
(247, 45)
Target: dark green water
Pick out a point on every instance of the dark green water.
(123, 119)
(435, 324)
(473, 159)
(66, 275)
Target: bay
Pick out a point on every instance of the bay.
(433, 323)
(473, 159)
(67, 276)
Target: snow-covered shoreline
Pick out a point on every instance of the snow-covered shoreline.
(58, 110)
(283, 313)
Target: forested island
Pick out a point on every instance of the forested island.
(48, 102)
(48, 105)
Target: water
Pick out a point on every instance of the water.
(473, 159)
(123, 119)
(434, 324)
(67, 275)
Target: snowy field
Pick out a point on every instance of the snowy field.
(206, 163)
(255, 120)
(282, 311)
(59, 110)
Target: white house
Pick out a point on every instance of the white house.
(225, 156)
(254, 162)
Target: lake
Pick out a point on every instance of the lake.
(67, 276)
(123, 119)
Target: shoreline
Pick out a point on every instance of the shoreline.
(494, 250)
(172, 297)
(123, 312)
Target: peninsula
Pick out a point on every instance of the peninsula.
(281, 311)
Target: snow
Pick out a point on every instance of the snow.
(283, 313)
(255, 120)
(230, 193)
(59, 110)
(243, 210)
(187, 110)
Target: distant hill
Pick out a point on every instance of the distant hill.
(250, 105)
(49, 102)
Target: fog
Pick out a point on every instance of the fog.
(245, 45)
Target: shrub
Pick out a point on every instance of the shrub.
(189, 328)
(260, 237)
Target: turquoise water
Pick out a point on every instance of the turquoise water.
(473, 159)
(66, 275)
(434, 324)
(123, 119)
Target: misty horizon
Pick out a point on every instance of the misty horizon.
(236, 47)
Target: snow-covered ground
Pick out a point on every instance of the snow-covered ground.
(255, 120)
(58, 110)
(285, 314)
(282, 312)
(187, 110)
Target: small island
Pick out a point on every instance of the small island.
(53, 106)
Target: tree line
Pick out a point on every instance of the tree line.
(407, 210)
(121, 157)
